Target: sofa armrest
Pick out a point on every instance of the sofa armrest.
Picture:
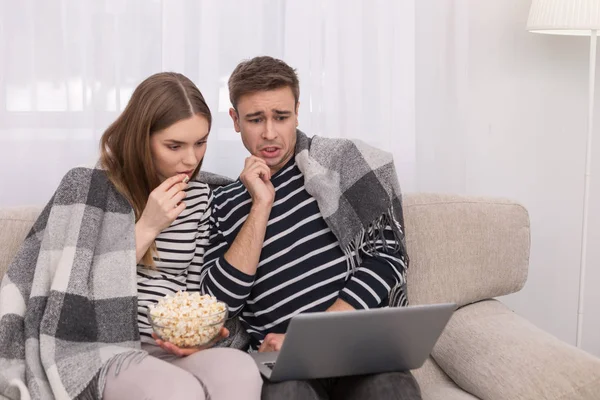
(492, 353)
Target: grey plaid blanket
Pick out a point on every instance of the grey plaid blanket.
(357, 190)
(69, 298)
(68, 302)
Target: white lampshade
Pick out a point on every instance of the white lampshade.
(564, 17)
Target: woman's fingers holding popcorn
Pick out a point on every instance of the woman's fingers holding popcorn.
(158, 213)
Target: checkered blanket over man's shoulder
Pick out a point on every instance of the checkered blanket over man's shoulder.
(357, 190)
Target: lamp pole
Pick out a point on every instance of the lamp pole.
(586, 190)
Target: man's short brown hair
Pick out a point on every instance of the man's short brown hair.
(261, 74)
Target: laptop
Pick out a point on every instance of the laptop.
(334, 344)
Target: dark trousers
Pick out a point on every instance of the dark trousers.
(387, 386)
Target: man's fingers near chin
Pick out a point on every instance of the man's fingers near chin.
(264, 173)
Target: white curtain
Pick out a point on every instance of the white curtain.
(465, 99)
(68, 68)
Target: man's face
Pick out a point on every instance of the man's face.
(267, 121)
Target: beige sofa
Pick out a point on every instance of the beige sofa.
(467, 251)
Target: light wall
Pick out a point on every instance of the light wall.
(507, 111)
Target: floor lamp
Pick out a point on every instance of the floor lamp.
(580, 18)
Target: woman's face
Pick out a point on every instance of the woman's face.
(179, 149)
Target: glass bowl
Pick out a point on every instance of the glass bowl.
(188, 332)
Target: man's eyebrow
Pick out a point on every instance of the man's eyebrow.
(254, 114)
(282, 112)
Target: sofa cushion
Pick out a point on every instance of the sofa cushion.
(15, 223)
(493, 353)
(436, 385)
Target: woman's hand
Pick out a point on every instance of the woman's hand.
(163, 206)
(171, 348)
(165, 203)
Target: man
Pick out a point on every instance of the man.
(283, 243)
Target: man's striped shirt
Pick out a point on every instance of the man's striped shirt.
(302, 267)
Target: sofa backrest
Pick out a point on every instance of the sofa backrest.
(461, 249)
(464, 249)
(15, 224)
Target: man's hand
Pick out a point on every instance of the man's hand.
(272, 342)
(340, 305)
(256, 176)
(171, 348)
(244, 252)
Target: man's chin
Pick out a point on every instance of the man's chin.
(276, 165)
(273, 162)
(270, 161)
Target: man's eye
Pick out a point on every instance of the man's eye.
(255, 120)
(283, 118)
(174, 147)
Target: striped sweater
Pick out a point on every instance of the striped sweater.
(302, 267)
(179, 258)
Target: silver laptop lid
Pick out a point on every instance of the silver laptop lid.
(330, 344)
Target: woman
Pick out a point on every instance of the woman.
(83, 297)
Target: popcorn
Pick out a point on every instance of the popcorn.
(187, 319)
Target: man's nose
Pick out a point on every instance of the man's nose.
(269, 132)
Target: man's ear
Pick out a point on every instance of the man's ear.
(235, 118)
(297, 109)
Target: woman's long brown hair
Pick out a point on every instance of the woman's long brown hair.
(157, 103)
